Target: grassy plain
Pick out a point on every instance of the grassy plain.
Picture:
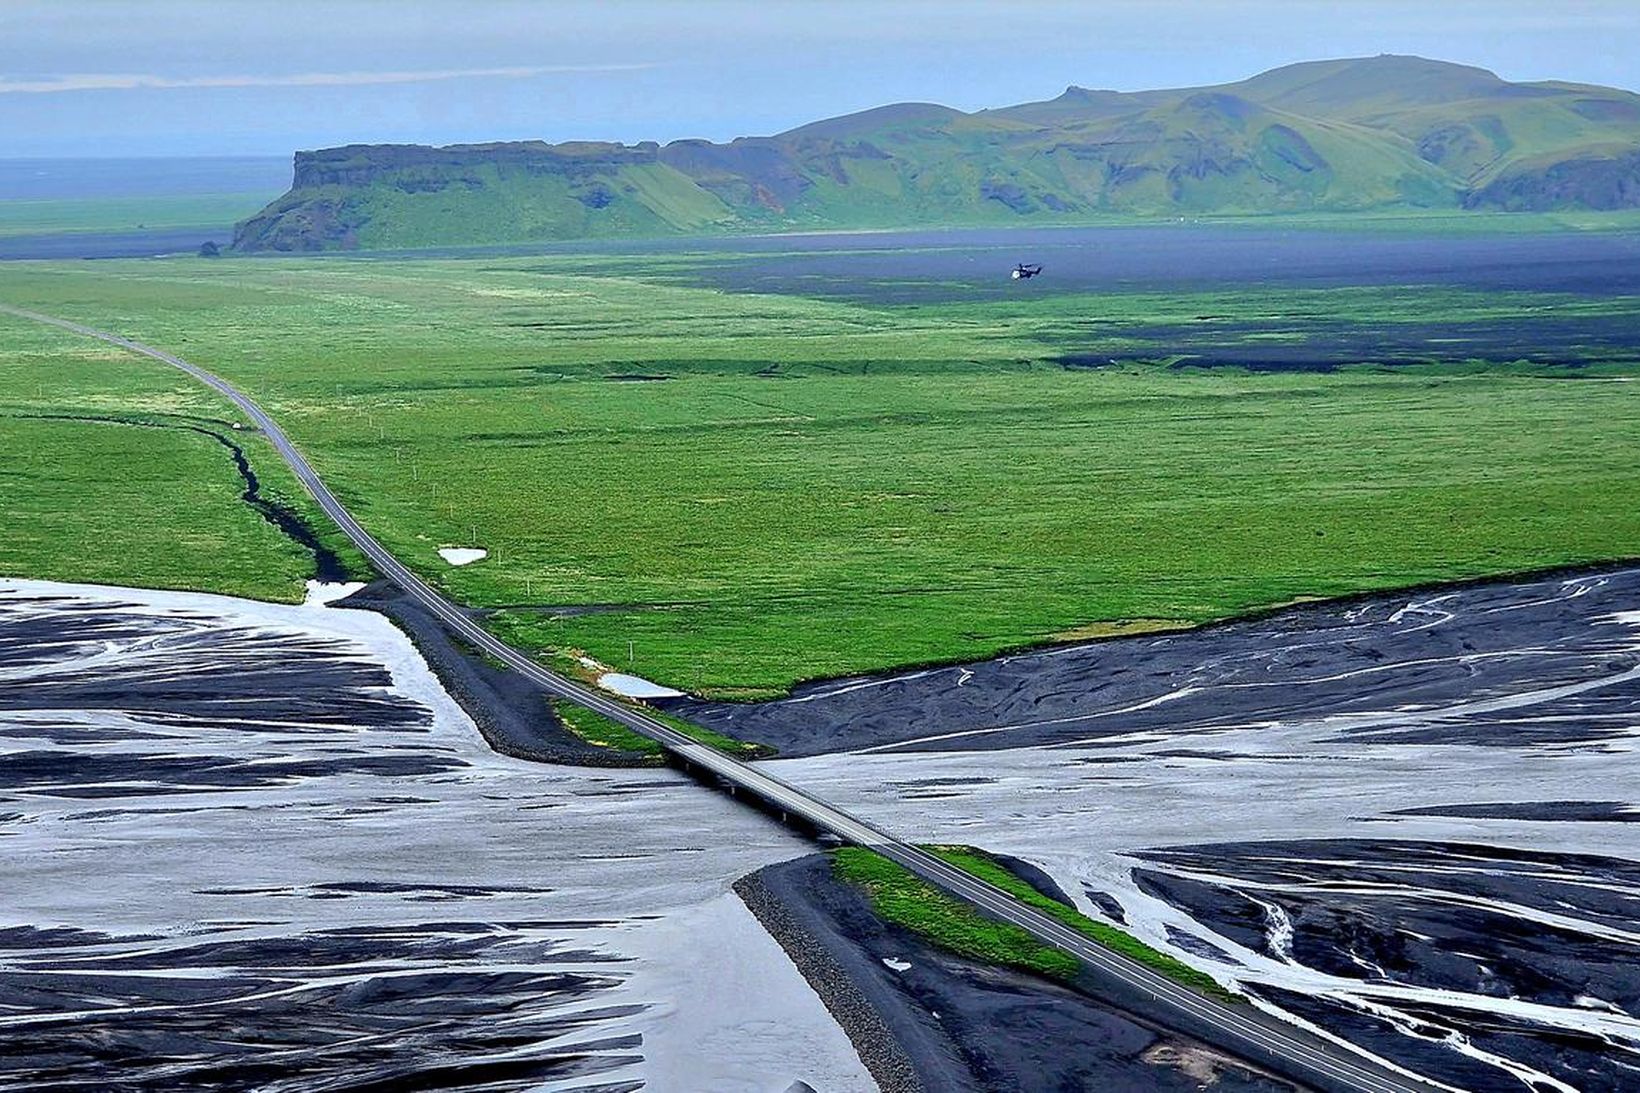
(597, 729)
(753, 490)
(728, 745)
(112, 472)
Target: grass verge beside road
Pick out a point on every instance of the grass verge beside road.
(904, 899)
(597, 729)
(907, 900)
(728, 745)
(989, 869)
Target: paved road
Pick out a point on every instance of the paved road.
(1261, 1038)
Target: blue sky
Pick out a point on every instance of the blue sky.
(100, 77)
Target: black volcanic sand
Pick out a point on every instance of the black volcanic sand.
(241, 1023)
(315, 684)
(967, 264)
(359, 900)
(934, 267)
(512, 714)
(1615, 812)
(1312, 344)
(1348, 897)
(372, 1027)
(1435, 650)
(136, 243)
(1463, 917)
(1583, 1061)
(315, 687)
(952, 1025)
(973, 263)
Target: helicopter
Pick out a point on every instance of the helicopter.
(1022, 272)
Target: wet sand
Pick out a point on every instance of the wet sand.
(968, 1027)
(1481, 663)
(251, 846)
(1406, 821)
(513, 716)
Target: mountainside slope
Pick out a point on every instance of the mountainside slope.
(1348, 135)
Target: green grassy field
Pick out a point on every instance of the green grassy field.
(113, 473)
(818, 487)
(597, 729)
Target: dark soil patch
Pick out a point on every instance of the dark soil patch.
(1073, 694)
(512, 714)
(963, 1026)
(1319, 345)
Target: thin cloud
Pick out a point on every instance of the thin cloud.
(112, 81)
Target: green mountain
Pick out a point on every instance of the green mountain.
(1373, 133)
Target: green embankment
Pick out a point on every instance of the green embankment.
(905, 899)
(817, 487)
(597, 729)
(992, 871)
(594, 728)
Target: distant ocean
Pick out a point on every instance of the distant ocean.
(34, 179)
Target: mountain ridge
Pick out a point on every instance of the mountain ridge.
(1344, 135)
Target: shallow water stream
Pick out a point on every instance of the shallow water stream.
(1414, 822)
(247, 845)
